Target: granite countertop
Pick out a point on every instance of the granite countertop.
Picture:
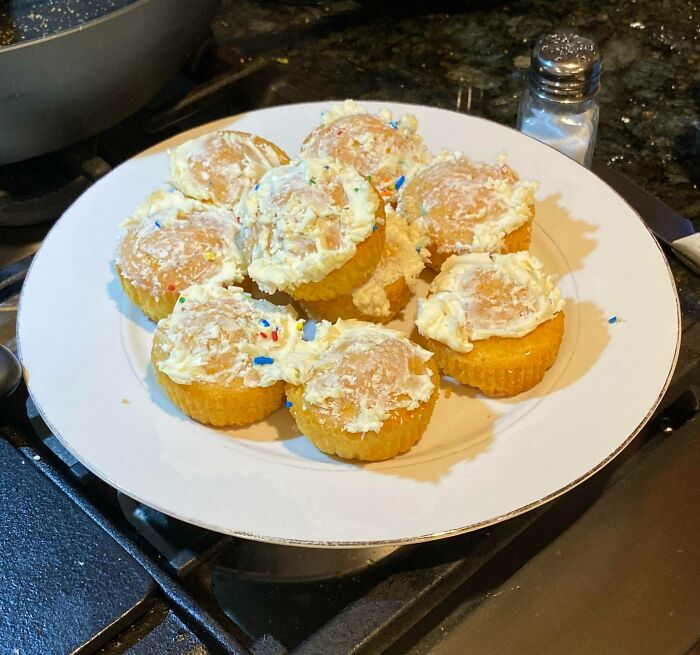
(473, 56)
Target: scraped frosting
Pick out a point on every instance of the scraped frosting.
(479, 296)
(222, 166)
(467, 206)
(404, 256)
(171, 242)
(304, 220)
(366, 373)
(384, 150)
(217, 335)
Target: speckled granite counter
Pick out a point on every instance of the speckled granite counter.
(473, 56)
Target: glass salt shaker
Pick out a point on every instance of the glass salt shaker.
(559, 105)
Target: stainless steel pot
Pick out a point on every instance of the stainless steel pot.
(67, 86)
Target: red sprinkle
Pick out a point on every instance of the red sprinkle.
(274, 335)
(263, 335)
(171, 287)
(339, 132)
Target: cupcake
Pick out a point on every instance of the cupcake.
(389, 287)
(369, 395)
(172, 242)
(386, 151)
(312, 228)
(468, 206)
(220, 167)
(223, 357)
(494, 322)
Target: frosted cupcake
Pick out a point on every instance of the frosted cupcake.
(468, 206)
(386, 151)
(312, 228)
(221, 167)
(389, 287)
(494, 322)
(172, 242)
(368, 396)
(222, 357)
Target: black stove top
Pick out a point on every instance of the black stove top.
(84, 568)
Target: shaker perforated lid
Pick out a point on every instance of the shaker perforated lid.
(565, 67)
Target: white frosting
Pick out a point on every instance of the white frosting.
(366, 373)
(384, 150)
(222, 166)
(214, 335)
(171, 242)
(304, 220)
(404, 256)
(479, 296)
(467, 206)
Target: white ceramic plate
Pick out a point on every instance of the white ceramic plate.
(85, 350)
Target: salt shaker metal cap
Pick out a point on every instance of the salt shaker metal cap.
(564, 67)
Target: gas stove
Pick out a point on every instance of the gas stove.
(86, 569)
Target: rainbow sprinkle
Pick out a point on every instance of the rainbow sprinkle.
(181, 299)
(399, 182)
(257, 186)
(612, 319)
(262, 361)
(263, 335)
(158, 225)
(209, 256)
(300, 325)
(309, 333)
(374, 228)
(273, 334)
(417, 248)
(264, 322)
(394, 124)
(288, 404)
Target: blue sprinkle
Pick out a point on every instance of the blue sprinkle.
(263, 360)
(399, 182)
(612, 319)
(309, 331)
(288, 404)
(264, 322)
(374, 228)
(158, 225)
(257, 186)
(394, 124)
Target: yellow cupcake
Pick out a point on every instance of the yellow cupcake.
(222, 357)
(494, 322)
(468, 206)
(172, 242)
(221, 167)
(389, 287)
(312, 228)
(385, 151)
(369, 396)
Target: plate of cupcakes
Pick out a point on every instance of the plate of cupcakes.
(346, 324)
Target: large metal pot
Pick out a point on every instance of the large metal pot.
(67, 86)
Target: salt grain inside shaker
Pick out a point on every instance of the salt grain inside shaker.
(559, 105)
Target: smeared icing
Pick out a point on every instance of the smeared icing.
(366, 373)
(222, 166)
(404, 256)
(215, 335)
(467, 206)
(171, 242)
(385, 150)
(304, 220)
(479, 296)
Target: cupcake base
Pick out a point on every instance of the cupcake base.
(501, 366)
